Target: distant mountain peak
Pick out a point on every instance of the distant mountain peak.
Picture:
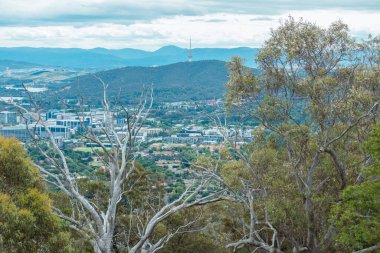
(170, 49)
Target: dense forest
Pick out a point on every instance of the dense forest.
(199, 80)
(309, 181)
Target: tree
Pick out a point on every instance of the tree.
(316, 98)
(358, 212)
(202, 234)
(97, 223)
(27, 220)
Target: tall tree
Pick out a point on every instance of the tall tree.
(317, 97)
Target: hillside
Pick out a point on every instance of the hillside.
(175, 82)
(101, 58)
(9, 64)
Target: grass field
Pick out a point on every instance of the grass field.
(96, 164)
(88, 150)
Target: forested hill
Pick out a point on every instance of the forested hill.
(9, 64)
(198, 80)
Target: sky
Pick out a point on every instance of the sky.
(152, 24)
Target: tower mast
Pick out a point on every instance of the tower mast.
(190, 56)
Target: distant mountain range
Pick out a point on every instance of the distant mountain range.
(198, 80)
(101, 58)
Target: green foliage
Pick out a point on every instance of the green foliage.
(358, 222)
(199, 236)
(233, 171)
(241, 82)
(27, 221)
(16, 170)
(313, 98)
(77, 159)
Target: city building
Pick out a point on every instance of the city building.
(23, 133)
(8, 118)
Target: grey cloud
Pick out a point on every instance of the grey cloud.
(262, 19)
(119, 12)
(215, 20)
(126, 12)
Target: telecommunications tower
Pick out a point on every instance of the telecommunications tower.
(190, 56)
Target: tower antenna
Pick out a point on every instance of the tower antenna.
(190, 56)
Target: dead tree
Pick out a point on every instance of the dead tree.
(97, 224)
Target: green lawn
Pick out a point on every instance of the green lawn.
(96, 164)
(87, 150)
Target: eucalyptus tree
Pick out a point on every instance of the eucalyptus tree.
(316, 97)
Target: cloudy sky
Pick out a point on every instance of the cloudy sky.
(151, 24)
